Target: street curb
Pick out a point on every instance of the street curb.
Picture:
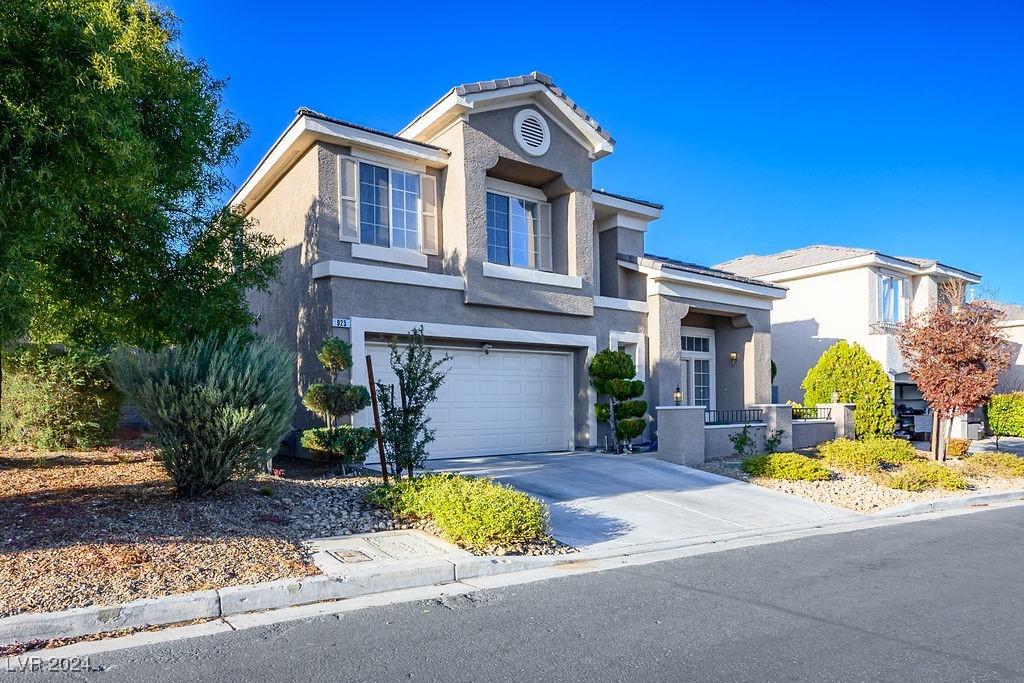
(944, 504)
(271, 595)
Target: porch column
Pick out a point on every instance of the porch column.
(664, 333)
(842, 416)
(778, 416)
(681, 434)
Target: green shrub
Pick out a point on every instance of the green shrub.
(472, 512)
(851, 373)
(342, 445)
(923, 475)
(994, 465)
(611, 373)
(744, 443)
(866, 456)
(219, 406)
(1006, 414)
(788, 466)
(957, 448)
(57, 399)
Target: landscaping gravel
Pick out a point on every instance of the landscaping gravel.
(857, 492)
(104, 527)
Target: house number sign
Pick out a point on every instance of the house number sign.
(343, 323)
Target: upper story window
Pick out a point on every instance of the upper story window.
(518, 231)
(389, 211)
(891, 299)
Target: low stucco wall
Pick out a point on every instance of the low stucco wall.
(809, 433)
(716, 439)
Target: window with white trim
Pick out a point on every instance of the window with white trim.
(698, 367)
(891, 298)
(513, 235)
(389, 207)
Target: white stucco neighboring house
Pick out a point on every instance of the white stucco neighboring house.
(859, 295)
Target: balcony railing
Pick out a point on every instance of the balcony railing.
(885, 328)
(811, 413)
(732, 417)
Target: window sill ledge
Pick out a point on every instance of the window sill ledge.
(405, 257)
(536, 277)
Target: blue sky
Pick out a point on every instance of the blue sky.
(760, 126)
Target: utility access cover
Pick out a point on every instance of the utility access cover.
(340, 554)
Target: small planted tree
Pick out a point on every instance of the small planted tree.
(1005, 414)
(612, 373)
(219, 407)
(404, 423)
(955, 355)
(847, 373)
(337, 444)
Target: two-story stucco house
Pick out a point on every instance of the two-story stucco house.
(479, 222)
(859, 295)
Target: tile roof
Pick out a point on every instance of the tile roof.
(754, 265)
(630, 199)
(1009, 311)
(516, 81)
(675, 264)
(306, 111)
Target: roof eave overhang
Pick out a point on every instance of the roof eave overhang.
(303, 132)
(867, 260)
(453, 106)
(669, 274)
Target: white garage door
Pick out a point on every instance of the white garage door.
(496, 403)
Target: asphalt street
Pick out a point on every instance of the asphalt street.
(939, 601)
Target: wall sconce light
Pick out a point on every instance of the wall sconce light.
(733, 357)
(487, 348)
(677, 396)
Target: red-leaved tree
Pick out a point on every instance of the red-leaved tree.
(955, 355)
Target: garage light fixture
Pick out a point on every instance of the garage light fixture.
(487, 348)
(733, 357)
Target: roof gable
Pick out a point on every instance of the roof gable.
(535, 87)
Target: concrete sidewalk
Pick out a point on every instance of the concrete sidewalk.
(601, 501)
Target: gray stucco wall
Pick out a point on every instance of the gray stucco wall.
(717, 444)
(296, 309)
(810, 434)
(487, 138)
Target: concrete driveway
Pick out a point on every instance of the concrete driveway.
(1007, 444)
(600, 500)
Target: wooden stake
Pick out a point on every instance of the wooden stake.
(376, 418)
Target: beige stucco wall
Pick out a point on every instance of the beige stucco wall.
(296, 309)
(816, 313)
(1013, 379)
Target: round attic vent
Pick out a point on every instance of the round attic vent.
(532, 132)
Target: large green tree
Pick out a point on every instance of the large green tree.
(112, 150)
(847, 373)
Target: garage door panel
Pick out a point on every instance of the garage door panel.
(502, 402)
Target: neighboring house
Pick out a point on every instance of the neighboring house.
(859, 295)
(1013, 329)
(479, 222)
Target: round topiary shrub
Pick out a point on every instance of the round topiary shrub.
(848, 374)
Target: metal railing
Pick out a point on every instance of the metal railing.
(732, 417)
(884, 328)
(811, 413)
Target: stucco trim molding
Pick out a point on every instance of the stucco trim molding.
(406, 257)
(361, 271)
(362, 326)
(636, 338)
(621, 304)
(536, 277)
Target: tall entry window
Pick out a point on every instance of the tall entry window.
(698, 367)
(891, 295)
